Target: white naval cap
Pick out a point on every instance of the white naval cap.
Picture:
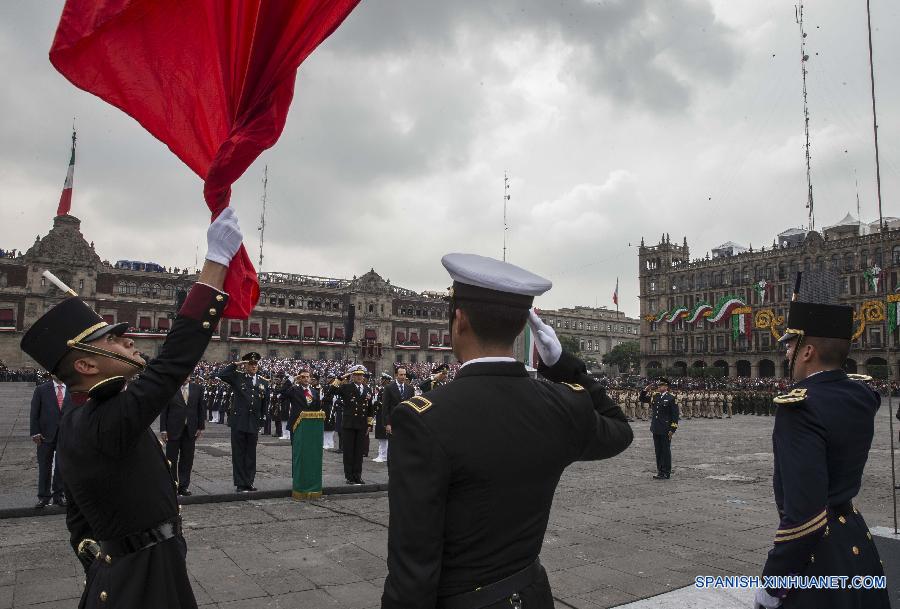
(358, 369)
(498, 281)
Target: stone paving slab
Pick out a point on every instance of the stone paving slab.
(615, 535)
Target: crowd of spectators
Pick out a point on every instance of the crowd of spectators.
(273, 367)
(14, 253)
(884, 387)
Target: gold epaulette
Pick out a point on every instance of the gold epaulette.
(418, 403)
(573, 386)
(793, 397)
(859, 377)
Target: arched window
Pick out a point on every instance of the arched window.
(848, 261)
(145, 289)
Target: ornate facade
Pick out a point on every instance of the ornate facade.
(298, 316)
(597, 329)
(727, 311)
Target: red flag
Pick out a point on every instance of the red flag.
(616, 293)
(65, 198)
(211, 79)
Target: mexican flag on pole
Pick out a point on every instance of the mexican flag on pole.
(65, 199)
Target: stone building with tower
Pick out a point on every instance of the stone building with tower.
(727, 310)
(298, 316)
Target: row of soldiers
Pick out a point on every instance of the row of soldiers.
(700, 403)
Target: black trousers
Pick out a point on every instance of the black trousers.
(180, 452)
(536, 595)
(243, 458)
(354, 445)
(663, 446)
(46, 458)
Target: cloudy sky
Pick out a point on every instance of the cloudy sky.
(616, 120)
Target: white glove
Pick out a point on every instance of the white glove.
(223, 238)
(545, 339)
(765, 600)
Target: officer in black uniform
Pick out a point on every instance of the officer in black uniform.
(438, 376)
(358, 417)
(123, 512)
(663, 424)
(468, 512)
(250, 400)
(823, 431)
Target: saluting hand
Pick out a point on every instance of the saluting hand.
(164, 435)
(545, 339)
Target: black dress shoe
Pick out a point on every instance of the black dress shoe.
(42, 503)
(360, 481)
(252, 489)
(60, 501)
(349, 481)
(185, 493)
(242, 489)
(659, 477)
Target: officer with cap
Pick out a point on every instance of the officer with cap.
(123, 515)
(823, 431)
(468, 513)
(250, 403)
(358, 418)
(663, 424)
(438, 376)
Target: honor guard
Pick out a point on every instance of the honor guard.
(250, 402)
(663, 425)
(823, 431)
(468, 513)
(122, 514)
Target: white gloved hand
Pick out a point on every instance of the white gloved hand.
(545, 339)
(765, 600)
(223, 238)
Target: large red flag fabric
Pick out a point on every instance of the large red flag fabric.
(211, 79)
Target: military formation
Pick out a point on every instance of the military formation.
(701, 403)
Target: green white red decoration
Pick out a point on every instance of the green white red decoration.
(700, 309)
(763, 288)
(873, 275)
(724, 307)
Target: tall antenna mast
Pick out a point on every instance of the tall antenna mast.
(856, 181)
(798, 15)
(262, 218)
(874, 118)
(505, 199)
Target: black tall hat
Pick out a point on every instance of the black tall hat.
(68, 325)
(814, 310)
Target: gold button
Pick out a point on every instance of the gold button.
(108, 559)
(855, 551)
(213, 312)
(855, 511)
(219, 298)
(206, 325)
(103, 596)
(842, 520)
(812, 558)
(827, 530)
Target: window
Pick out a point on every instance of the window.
(254, 328)
(234, 328)
(323, 333)
(338, 335)
(163, 323)
(7, 318)
(110, 319)
(274, 329)
(307, 333)
(144, 322)
(875, 336)
(293, 331)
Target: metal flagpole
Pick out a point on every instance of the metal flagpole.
(875, 123)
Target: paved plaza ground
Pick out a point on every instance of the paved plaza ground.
(615, 536)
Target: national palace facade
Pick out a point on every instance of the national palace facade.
(727, 310)
(298, 316)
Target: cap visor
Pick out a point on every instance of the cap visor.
(114, 329)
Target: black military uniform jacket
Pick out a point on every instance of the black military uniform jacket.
(428, 385)
(116, 476)
(358, 409)
(664, 413)
(821, 439)
(249, 403)
(473, 469)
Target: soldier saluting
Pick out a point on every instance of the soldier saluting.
(251, 402)
(123, 513)
(438, 376)
(468, 513)
(823, 431)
